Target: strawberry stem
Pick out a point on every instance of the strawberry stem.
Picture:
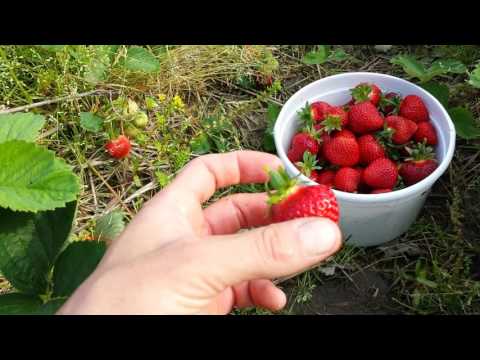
(361, 93)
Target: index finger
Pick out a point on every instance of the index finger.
(208, 173)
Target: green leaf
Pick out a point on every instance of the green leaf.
(91, 122)
(140, 59)
(474, 79)
(20, 126)
(75, 264)
(464, 121)
(18, 304)
(53, 48)
(51, 307)
(200, 144)
(317, 57)
(30, 243)
(32, 179)
(444, 66)
(411, 66)
(338, 55)
(109, 226)
(440, 91)
(96, 71)
(273, 110)
(272, 114)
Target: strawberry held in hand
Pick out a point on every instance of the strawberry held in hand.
(291, 201)
(119, 147)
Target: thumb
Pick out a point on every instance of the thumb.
(269, 252)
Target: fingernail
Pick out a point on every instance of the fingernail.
(318, 237)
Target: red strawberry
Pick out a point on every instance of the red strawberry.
(362, 186)
(307, 140)
(324, 139)
(365, 118)
(347, 179)
(119, 147)
(345, 133)
(292, 201)
(309, 166)
(370, 149)
(381, 191)
(390, 103)
(420, 164)
(325, 177)
(413, 108)
(381, 174)
(403, 128)
(342, 151)
(366, 92)
(318, 110)
(335, 119)
(415, 171)
(426, 132)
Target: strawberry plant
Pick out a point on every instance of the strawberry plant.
(38, 202)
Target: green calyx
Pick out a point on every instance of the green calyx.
(420, 152)
(306, 116)
(310, 130)
(361, 93)
(385, 102)
(279, 186)
(331, 123)
(309, 164)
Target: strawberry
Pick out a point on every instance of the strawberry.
(342, 151)
(426, 132)
(325, 177)
(347, 179)
(309, 166)
(390, 103)
(318, 110)
(345, 133)
(381, 174)
(364, 118)
(362, 186)
(366, 92)
(335, 119)
(307, 140)
(420, 164)
(380, 191)
(119, 147)
(412, 107)
(403, 128)
(291, 200)
(370, 149)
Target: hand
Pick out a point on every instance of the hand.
(177, 258)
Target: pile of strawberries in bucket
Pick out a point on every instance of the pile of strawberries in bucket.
(376, 143)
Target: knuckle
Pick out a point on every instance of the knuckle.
(271, 246)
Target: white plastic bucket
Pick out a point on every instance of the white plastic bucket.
(369, 219)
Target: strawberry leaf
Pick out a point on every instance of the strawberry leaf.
(140, 59)
(30, 243)
(411, 66)
(440, 91)
(317, 57)
(474, 79)
(465, 124)
(20, 126)
(32, 179)
(201, 144)
(445, 66)
(272, 114)
(75, 264)
(91, 122)
(17, 303)
(109, 226)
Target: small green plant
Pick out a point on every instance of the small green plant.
(323, 54)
